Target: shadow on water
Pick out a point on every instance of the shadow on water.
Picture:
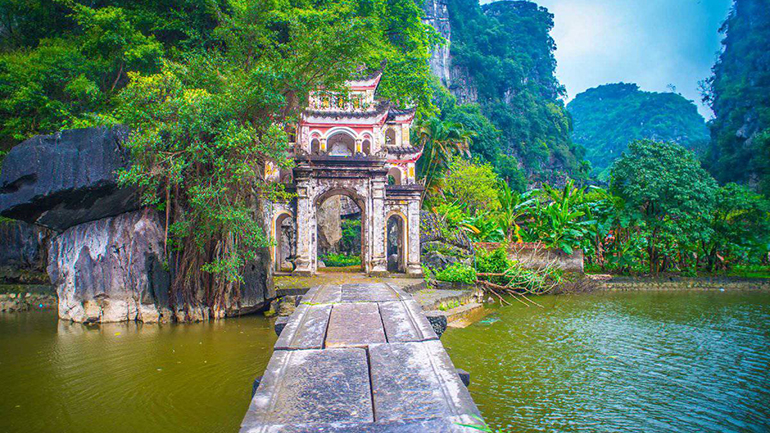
(64, 377)
(631, 362)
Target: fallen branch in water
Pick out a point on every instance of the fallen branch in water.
(499, 290)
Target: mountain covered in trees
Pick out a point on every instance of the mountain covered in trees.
(739, 94)
(499, 67)
(607, 118)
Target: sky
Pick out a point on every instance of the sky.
(653, 43)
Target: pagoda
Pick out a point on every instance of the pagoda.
(358, 146)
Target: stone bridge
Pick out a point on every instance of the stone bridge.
(359, 358)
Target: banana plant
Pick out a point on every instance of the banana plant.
(513, 207)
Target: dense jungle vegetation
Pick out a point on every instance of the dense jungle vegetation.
(209, 90)
(739, 94)
(506, 51)
(608, 117)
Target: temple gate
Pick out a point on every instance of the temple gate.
(357, 146)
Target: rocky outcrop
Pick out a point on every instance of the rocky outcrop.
(329, 225)
(437, 16)
(453, 77)
(440, 247)
(23, 252)
(111, 270)
(65, 179)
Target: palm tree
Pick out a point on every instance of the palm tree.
(441, 141)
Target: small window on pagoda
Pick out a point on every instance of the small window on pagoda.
(394, 176)
(315, 147)
(390, 137)
(341, 102)
(325, 102)
(366, 147)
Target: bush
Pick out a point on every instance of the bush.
(457, 273)
(340, 260)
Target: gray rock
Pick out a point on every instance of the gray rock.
(255, 385)
(465, 377)
(373, 292)
(280, 324)
(65, 179)
(438, 322)
(23, 245)
(305, 329)
(110, 270)
(405, 322)
(314, 386)
(368, 329)
(435, 389)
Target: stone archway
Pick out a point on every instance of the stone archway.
(339, 232)
(284, 234)
(360, 196)
(396, 242)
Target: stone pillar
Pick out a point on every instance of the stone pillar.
(413, 264)
(379, 263)
(305, 230)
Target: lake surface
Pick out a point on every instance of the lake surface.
(114, 378)
(622, 362)
(630, 362)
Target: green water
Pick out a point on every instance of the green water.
(626, 362)
(62, 377)
(631, 362)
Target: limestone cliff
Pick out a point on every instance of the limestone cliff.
(738, 93)
(500, 56)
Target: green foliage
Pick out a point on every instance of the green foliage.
(441, 141)
(536, 281)
(205, 125)
(507, 51)
(740, 223)
(563, 220)
(340, 260)
(667, 191)
(472, 185)
(62, 63)
(737, 92)
(608, 117)
(457, 273)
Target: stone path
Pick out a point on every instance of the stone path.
(359, 358)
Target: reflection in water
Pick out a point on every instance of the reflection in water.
(65, 377)
(630, 362)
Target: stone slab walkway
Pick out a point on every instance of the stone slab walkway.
(359, 357)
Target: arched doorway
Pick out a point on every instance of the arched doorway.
(285, 235)
(395, 243)
(339, 233)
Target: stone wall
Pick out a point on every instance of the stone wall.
(675, 283)
(535, 256)
(23, 253)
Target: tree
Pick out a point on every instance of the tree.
(669, 193)
(441, 141)
(472, 185)
(741, 227)
(205, 126)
